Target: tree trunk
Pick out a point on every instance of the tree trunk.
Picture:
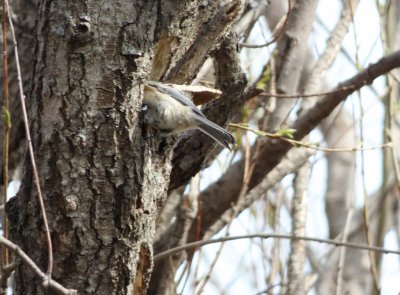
(104, 177)
(102, 186)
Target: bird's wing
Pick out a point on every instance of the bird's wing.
(177, 94)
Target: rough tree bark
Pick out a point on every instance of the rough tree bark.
(104, 179)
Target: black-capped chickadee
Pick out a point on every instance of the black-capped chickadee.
(171, 111)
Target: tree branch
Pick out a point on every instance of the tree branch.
(290, 164)
(30, 146)
(273, 150)
(198, 244)
(47, 281)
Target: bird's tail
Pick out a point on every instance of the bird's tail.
(219, 134)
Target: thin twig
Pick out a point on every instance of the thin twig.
(246, 178)
(30, 147)
(357, 59)
(332, 48)
(373, 267)
(6, 143)
(198, 244)
(190, 201)
(342, 254)
(309, 95)
(347, 226)
(345, 53)
(48, 283)
(308, 144)
(280, 27)
(346, 233)
(196, 280)
(212, 266)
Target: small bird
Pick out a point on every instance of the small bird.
(171, 111)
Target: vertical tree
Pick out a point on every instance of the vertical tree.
(103, 179)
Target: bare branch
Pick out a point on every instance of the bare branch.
(47, 281)
(198, 244)
(30, 147)
(308, 94)
(273, 150)
(310, 145)
(6, 146)
(290, 164)
(279, 28)
(332, 47)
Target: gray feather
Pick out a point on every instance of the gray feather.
(218, 133)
